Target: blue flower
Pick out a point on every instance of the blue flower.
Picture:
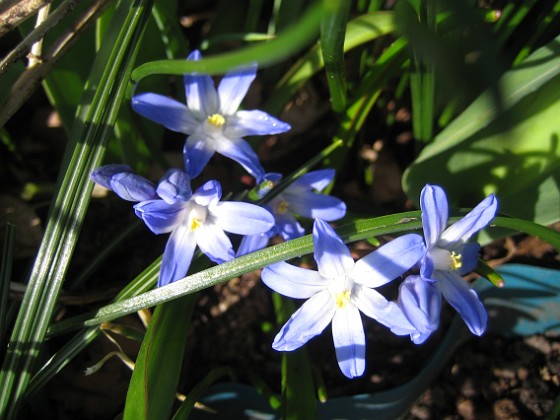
(339, 290)
(447, 257)
(299, 198)
(193, 219)
(211, 119)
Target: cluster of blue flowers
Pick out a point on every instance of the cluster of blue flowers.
(341, 287)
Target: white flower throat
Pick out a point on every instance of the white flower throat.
(341, 290)
(446, 260)
(196, 216)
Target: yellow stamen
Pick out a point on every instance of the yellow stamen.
(282, 207)
(342, 299)
(217, 120)
(195, 224)
(456, 261)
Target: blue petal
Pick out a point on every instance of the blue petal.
(288, 227)
(469, 258)
(233, 88)
(241, 152)
(175, 186)
(315, 180)
(478, 218)
(307, 322)
(208, 194)
(103, 174)
(133, 187)
(177, 256)
(252, 243)
(173, 115)
(465, 300)
(292, 281)
(332, 255)
(435, 212)
(420, 302)
(242, 218)
(389, 261)
(349, 341)
(202, 98)
(214, 243)
(254, 123)
(375, 306)
(197, 152)
(315, 206)
(159, 216)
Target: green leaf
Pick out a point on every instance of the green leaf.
(298, 391)
(153, 385)
(287, 43)
(514, 154)
(333, 30)
(363, 29)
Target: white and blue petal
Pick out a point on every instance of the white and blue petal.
(349, 341)
(159, 216)
(241, 152)
(202, 98)
(314, 180)
(435, 212)
(420, 301)
(132, 187)
(214, 243)
(175, 186)
(177, 256)
(292, 281)
(197, 152)
(389, 261)
(254, 123)
(173, 115)
(315, 206)
(332, 255)
(233, 87)
(476, 219)
(242, 218)
(103, 174)
(465, 300)
(376, 306)
(208, 194)
(307, 322)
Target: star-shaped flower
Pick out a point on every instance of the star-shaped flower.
(211, 119)
(339, 290)
(447, 257)
(299, 198)
(193, 219)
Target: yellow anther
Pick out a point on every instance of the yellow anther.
(217, 120)
(342, 298)
(282, 207)
(456, 261)
(195, 224)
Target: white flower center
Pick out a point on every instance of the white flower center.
(342, 299)
(196, 216)
(341, 290)
(446, 260)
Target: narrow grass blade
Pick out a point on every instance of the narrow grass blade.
(6, 273)
(153, 385)
(88, 137)
(333, 30)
